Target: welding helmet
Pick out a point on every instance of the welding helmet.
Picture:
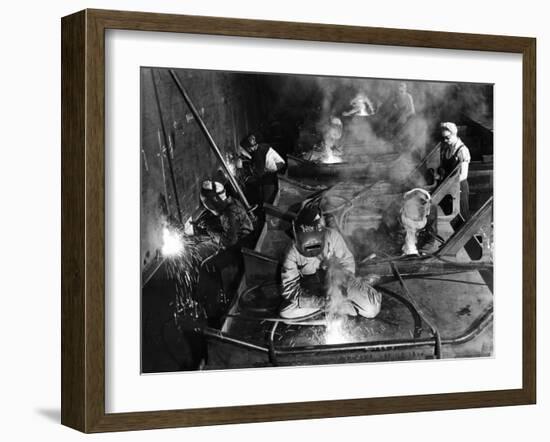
(213, 196)
(309, 231)
(416, 205)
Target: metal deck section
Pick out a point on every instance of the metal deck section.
(433, 306)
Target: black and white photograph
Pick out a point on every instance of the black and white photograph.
(275, 221)
(299, 220)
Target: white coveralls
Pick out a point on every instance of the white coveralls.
(297, 266)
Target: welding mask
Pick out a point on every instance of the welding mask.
(309, 232)
(416, 205)
(213, 196)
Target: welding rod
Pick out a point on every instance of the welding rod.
(211, 141)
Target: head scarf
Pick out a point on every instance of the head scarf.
(451, 127)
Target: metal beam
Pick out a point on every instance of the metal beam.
(210, 140)
(459, 239)
(168, 158)
(449, 186)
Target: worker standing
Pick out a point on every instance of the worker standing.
(403, 105)
(454, 153)
(396, 114)
(265, 163)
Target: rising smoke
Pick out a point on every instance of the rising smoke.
(313, 100)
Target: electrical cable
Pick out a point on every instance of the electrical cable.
(434, 330)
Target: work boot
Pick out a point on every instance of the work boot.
(294, 311)
(302, 306)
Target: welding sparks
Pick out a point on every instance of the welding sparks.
(331, 134)
(330, 158)
(173, 244)
(336, 332)
(183, 253)
(338, 307)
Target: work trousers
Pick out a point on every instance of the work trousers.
(218, 282)
(465, 199)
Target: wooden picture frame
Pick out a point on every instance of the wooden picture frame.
(83, 220)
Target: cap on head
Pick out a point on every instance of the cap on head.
(449, 127)
(213, 196)
(212, 186)
(309, 231)
(249, 141)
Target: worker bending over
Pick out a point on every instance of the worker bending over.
(231, 228)
(361, 106)
(410, 225)
(265, 162)
(395, 116)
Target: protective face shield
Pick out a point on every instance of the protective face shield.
(416, 205)
(309, 232)
(213, 196)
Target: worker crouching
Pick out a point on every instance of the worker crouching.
(410, 225)
(231, 228)
(318, 273)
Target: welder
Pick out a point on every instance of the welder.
(330, 148)
(361, 106)
(403, 105)
(410, 224)
(358, 120)
(314, 248)
(231, 228)
(453, 154)
(264, 163)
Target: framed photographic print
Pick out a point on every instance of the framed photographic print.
(268, 220)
